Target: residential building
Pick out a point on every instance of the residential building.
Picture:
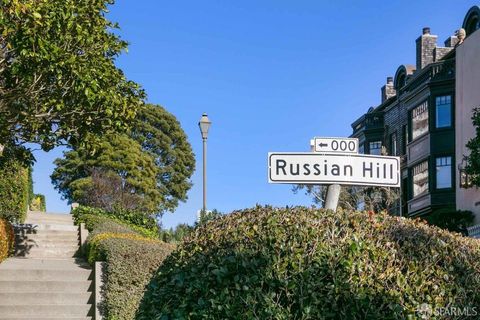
(424, 118)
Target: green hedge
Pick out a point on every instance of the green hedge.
(130, 265)
(14, 191)
(92, 216)
(7, 239)
(301, 263)
(131, 261)
(131, 218)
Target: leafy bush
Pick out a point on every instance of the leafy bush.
(7, 239)
(38, 203)
(131, 260)
(14, 191)
(301, 263)
(136, 218)
(131, 263)
(451, 219)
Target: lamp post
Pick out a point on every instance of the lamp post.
(204, 125)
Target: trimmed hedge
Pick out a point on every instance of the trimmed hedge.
(142, 224)
(131, 263)
(14, 191)
(131, 260)
(7, 239)
(301, 263)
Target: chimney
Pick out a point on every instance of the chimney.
(451, 42)
(388, 90)
(426, 45)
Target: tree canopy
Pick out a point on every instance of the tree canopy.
(154, 163)
(58, 80)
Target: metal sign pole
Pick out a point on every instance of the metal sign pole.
(333, 194)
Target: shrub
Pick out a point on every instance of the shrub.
(14, 191)
(300, 263)
(451, 219)
(38, 203)
(92, 217)
(132, 218)
(7, 239)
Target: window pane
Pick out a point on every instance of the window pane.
(443, 111)
(375, 147)
(444, 172)
(420, 120)
(420, 179)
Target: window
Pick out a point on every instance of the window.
(420, 120)
(443, 110)
(444, 172)
(376, 147)
(393, 144)
(420, 178)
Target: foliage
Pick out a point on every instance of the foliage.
(117, 155)
(38, 203)
(183, 230)
(376, 199)
(58, 76)
(300, 263)
(147, 170)
(160, 134)
(131, 263)
(207, 216)
(473, 159)
(7, 239)
(131, 260)
(176, 235)
(451, 219)
(14, 191)
(135, 221)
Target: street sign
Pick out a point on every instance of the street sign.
(346, 169)
(336, 145)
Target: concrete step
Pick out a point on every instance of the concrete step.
(43, 233)
(46, 287)
(46, 242)
(46, 311)
(35, 228)
(47, 252)
(66, 244)
(23, 298)
(44, 275)
(44, 264)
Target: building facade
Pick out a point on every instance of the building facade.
(420, 116)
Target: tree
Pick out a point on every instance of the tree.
(473, 160)
(160, 134)
(374, 199)
(58, 80)
(155, 162)
(119, 158)
(451, 219)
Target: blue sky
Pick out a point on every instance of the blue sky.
(270, 74)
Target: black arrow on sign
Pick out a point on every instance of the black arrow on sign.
(321, 145)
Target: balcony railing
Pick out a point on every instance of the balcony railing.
(437, 71)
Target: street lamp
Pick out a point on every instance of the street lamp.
(204, 125)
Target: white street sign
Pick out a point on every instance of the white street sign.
(336, 145)
(347, 169)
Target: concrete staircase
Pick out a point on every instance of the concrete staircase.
(45, 279)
